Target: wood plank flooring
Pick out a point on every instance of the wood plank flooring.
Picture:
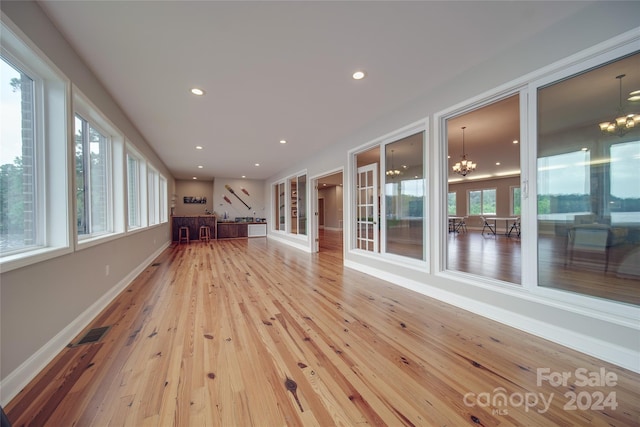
(499, 257)
(253, 333)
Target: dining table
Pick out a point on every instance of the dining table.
(508, 222)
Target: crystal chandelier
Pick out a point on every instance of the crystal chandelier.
(392, 173)
(624, 122)
(464, 166)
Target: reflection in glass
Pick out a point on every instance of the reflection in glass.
(404, 197)
(18, 225)
(302, 204)
(588, 187)
(298, 216)
(487, 193)
(279, 206)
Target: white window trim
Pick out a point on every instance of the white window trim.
(609, 310)
(117, 167)
(275, 224)
(142, 181)
(423, 265)
(163, 199)
(481, 190)
(52, 95)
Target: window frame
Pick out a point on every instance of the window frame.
(141, 196)
(153, 189)
(116, 173)
(482, 191)
(455, 202)
(422, 265)
(513, 198)
(52, 93)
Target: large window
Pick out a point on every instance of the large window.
(451, 204)
(390, 196)
(34, 208)
(153, 194)
(134, 193)
(298, 216)
(279, 205)
(564, 185)
(162, 199)
(18, 221)
(490, 191)
(516, 201)
(588, 196)
(93, 193)
(482, 202)
(624, 199)
(404, 197)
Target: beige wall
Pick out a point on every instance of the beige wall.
(193, 188)
(603, 336)
(503, 197)
(255, 198)
(333, 201)
(44, 305)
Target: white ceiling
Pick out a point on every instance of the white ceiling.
(280, 70)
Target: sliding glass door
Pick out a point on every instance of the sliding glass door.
(588, 182)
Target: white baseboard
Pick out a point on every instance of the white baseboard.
(20, 377)
(292, 243)
(620, 356)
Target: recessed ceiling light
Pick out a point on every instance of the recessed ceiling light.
(244, 176)
(195, 177)
(200, 166)
(257, 164)
(198, 147)
(497, 163)
(282, 141)
(197, 91)
(359, 75)
(515, 141)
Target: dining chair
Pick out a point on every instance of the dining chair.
(486, 224)
(515, 226)
(462, 224)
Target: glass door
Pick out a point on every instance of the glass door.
(367, 208)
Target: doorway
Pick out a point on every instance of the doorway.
(328, 213)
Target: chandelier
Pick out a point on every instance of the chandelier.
(624, 122)
(464, 166)
(392, 173)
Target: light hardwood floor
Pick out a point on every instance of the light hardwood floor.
(499, 257)
(253, 333)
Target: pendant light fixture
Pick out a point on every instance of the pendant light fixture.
(624, 122)
(464, 166)
(393, 172)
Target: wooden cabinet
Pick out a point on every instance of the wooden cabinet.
(219, 230)
(232, 230)
(194, 223)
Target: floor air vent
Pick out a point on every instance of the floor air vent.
(94, 335)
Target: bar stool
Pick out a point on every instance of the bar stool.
(205, 233)
(183, 235)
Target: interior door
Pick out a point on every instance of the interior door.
(367, 232)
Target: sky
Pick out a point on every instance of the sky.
(10, 116)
